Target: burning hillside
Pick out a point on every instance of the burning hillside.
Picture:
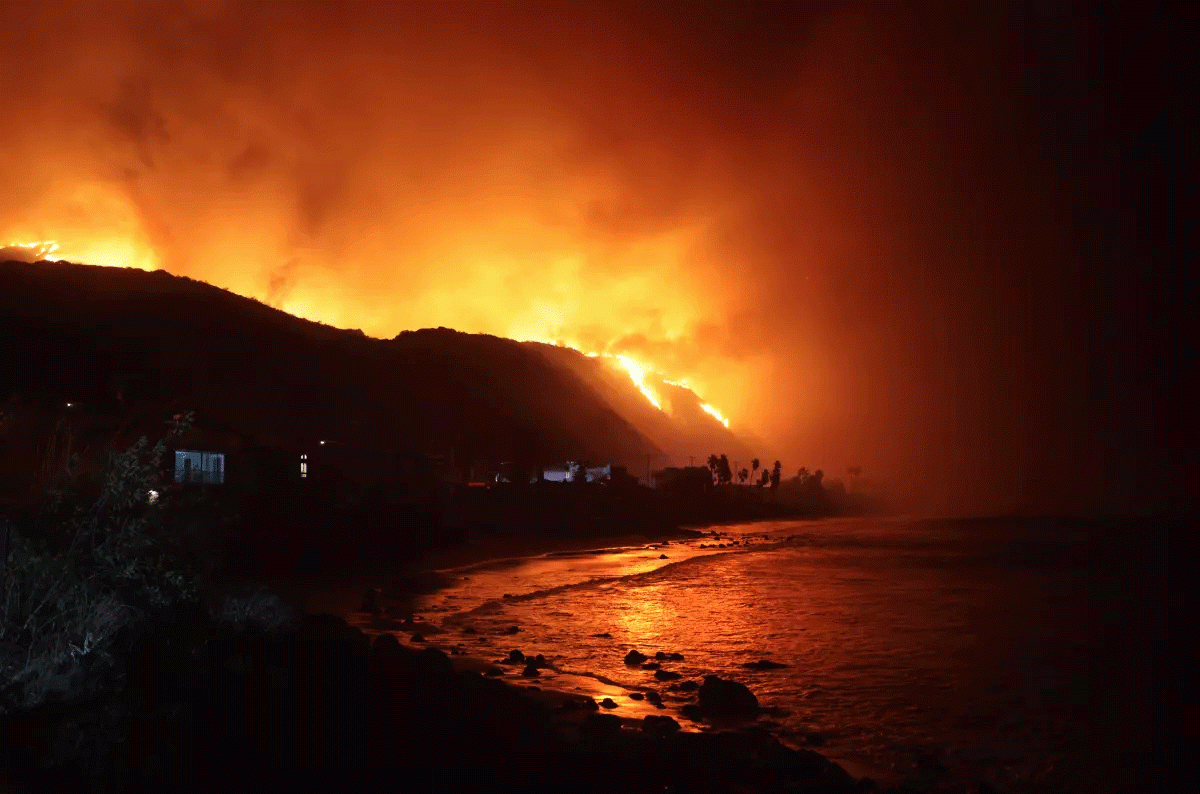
(151, 344)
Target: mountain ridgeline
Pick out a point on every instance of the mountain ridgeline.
(135, 347)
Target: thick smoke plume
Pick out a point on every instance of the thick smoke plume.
(843, 226)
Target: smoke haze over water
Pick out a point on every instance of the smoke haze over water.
(873, 237)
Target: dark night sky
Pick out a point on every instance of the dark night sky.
(931, 242)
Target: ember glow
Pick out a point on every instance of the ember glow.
(40, 250)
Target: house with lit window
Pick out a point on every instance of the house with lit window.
(199, 466)
(572, 471)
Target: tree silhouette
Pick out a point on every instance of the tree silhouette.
(714, 463)
(775, 474)
(724, 473)
(754, 464)
(743, 475)
(803, 475)
(764, 479)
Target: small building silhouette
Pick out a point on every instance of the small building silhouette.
(198, 466)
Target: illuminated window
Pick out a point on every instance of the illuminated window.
(193, 465)
(303, 466)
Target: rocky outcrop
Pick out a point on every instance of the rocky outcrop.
(656, 725)
(386, 644)
(764, 664)
(321, 701)
(722, 698)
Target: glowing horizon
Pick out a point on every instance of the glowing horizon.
(636, 370)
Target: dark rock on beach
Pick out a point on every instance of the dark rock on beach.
(634, 658)
(386, 644)
(723, 698)
(666, 675)
(656, 725)
(320, 703)
(601, 726)
(370, 602)
(764, 664)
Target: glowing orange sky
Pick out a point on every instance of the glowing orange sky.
(840, 227)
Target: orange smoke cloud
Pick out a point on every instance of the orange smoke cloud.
(801, 212)
(361, 173)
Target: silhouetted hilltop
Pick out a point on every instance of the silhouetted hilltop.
(138, 344)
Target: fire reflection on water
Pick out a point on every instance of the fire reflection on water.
(902, 642)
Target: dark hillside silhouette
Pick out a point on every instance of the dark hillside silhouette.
(126, 343)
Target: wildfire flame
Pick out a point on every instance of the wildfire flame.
(40, 249)
(637, 374)
(708, 409)
(637, 371)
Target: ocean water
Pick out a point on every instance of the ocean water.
(1024, 654)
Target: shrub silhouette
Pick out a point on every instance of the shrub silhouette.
(97, 558)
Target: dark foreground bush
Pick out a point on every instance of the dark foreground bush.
(93, 560)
